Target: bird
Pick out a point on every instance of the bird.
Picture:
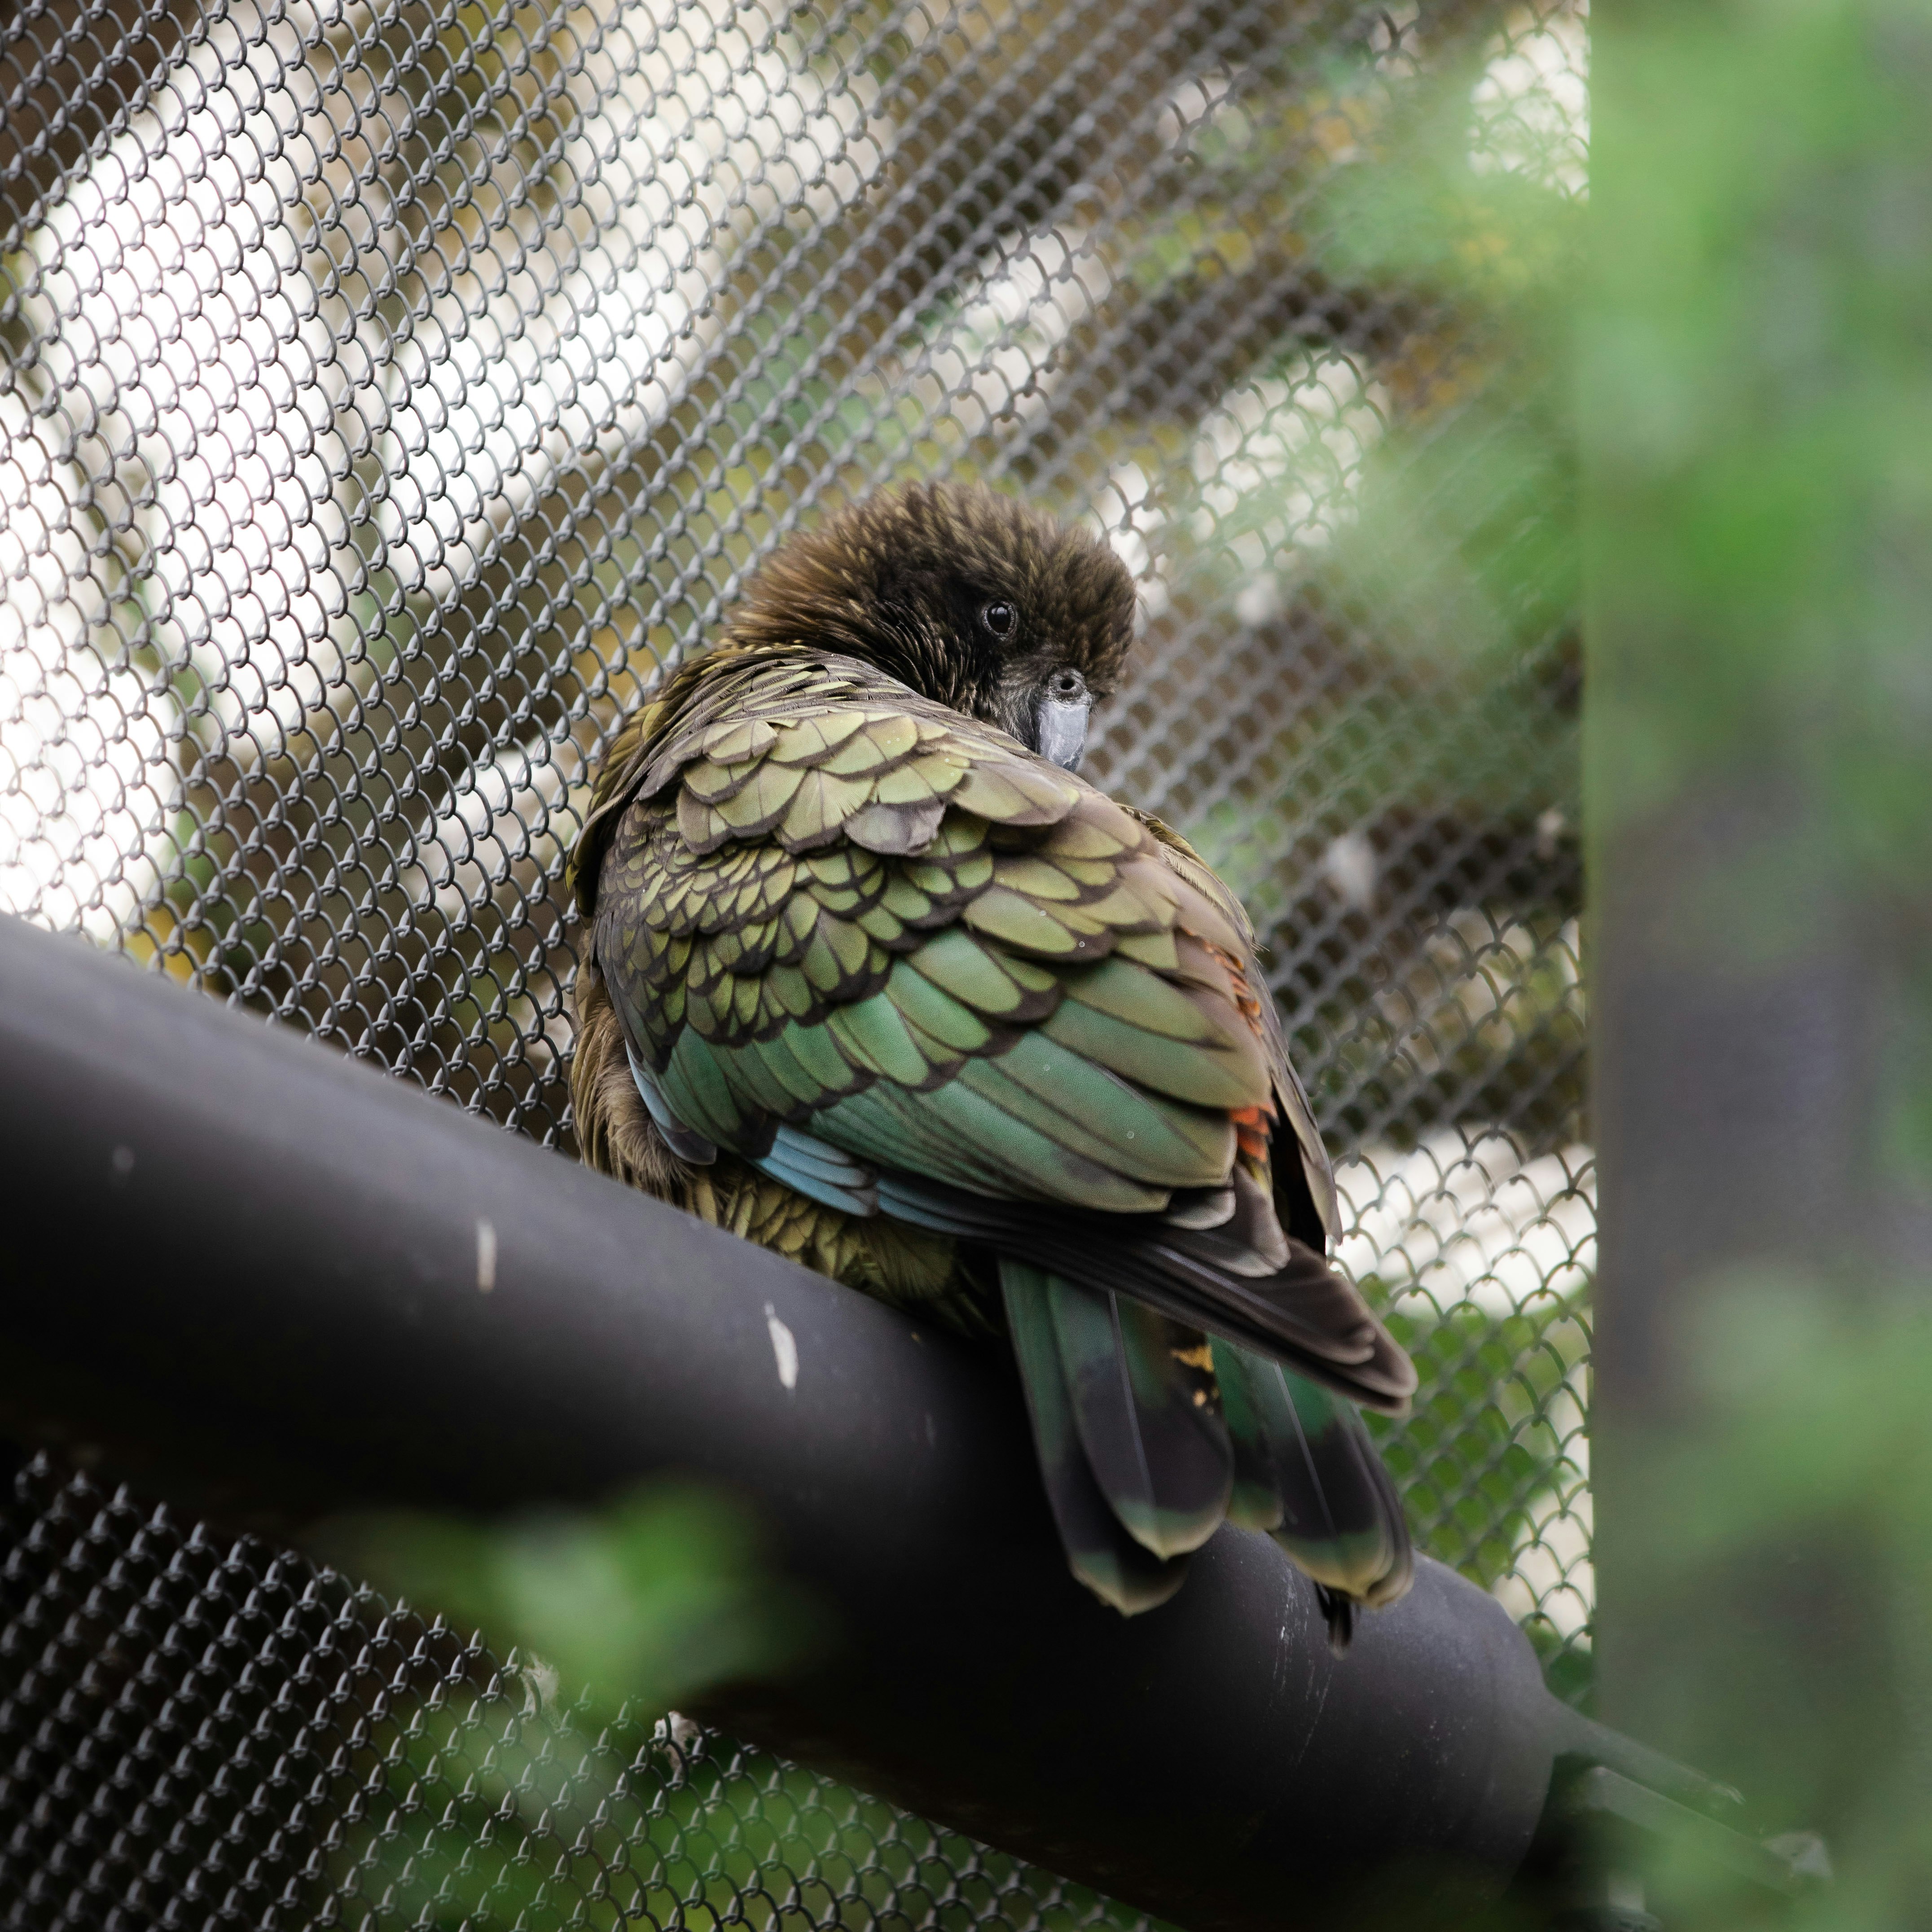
(869, 975)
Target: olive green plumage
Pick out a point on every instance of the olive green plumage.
(868, 980)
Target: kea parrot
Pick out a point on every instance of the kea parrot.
(869, 976)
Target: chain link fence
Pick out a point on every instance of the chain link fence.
(391, 389)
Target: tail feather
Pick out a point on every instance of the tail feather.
(1254, 1430)
(1116, 1568)
(1307, 1472)
(1144, 1457)
(1146, 1414)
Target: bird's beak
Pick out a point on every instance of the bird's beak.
(1062, 731)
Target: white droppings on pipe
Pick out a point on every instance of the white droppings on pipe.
(486, 1256)
(784, 1346)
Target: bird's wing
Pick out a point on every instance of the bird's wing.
(886, 952)
(1312, 1170)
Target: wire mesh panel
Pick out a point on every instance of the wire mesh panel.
(201, 1732)
(391, 391)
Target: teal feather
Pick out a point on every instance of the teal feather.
(873, 1032)
(878, 1126)
(818, 1054)
(754, 1076)
(937, 1011)
(970, 1142)
(783, 1065)
(1216, 1076)
(691, 1147)
(996, 985)
(821, 1173)
(693, 1087)
(1130, 992)
(992, 1081)
(1036, 1163)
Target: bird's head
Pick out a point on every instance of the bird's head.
(971, 599)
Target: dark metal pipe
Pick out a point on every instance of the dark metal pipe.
(261, 1282)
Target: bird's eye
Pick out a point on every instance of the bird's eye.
(999, 617)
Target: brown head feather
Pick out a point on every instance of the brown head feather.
(904, 580)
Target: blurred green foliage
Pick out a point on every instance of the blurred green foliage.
(1756, 386)
(654, 1597)
(1759, 407)
(1810, 1438)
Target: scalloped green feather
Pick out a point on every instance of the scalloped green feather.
(1030, 927)
(1037, 878)
(745, 1002)
(1156, 949)
(956, 962)
(877, 923)
(803, 741)
(764, 800)
(997, 793)
(905, 901)
(1134, 905)
(1208, 1076)
(800, 917)
(709, 783)
(820, 964)
(953, 1025)
(732, 743)
(1130, 993)
(874, 1032)
(836, 866)
(858, 755)
(791, 992)
(918, 783)
(1035, 1166)
(818, 1054)
(853, 949)
(694, 1087)
(842, 900)
(819, 808)
(1159, 1144)
(1092, 832)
